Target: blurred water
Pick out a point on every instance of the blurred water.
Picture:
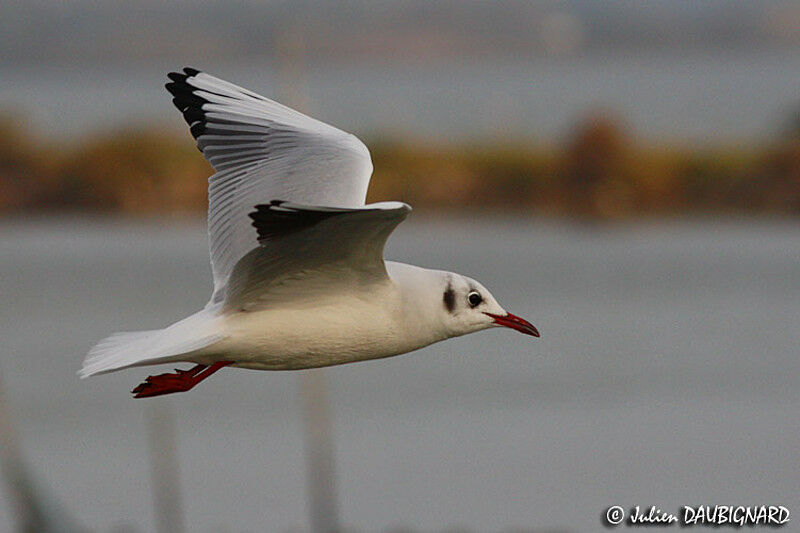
(667, 374)
(740, 94)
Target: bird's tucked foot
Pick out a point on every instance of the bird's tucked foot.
(179, 381)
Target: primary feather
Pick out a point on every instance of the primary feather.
(262, 151)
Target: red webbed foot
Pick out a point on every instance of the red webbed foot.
(179, 381)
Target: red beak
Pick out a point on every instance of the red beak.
(515, 322)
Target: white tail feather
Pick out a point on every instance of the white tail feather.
(136, 348)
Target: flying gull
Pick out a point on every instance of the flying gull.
(297, 257)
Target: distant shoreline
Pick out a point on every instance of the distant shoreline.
(599, 173)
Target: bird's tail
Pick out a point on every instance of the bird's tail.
(137, 348)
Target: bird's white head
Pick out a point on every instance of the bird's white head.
(467, 306)
(446, 304)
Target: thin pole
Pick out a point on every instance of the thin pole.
(323, 503)
(166, 491)
(35, 508)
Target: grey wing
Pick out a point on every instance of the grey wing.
(304, 250)
(262, 150)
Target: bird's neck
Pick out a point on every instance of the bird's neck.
(419, 299)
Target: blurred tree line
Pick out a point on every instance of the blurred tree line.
(599, 171)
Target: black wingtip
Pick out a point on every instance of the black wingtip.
(187, 102)
(197, 129)
(174, 88)
(273, 223)
(193, 114)
(181, 77)
(177, 77)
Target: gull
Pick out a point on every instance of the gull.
(297, 257)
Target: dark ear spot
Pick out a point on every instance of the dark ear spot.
(450, 298)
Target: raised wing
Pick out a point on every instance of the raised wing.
(305, 251)
(262, 150)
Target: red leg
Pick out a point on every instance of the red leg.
(180, 381)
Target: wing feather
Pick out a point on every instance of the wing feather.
(307, 250)
(262, 150)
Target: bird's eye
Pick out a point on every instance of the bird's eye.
(474, 298)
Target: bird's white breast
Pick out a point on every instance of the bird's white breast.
(329, 329)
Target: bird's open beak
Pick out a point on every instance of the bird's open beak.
(515, 322)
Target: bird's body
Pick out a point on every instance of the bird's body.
(335, 328)
(299, 276)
